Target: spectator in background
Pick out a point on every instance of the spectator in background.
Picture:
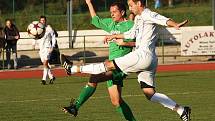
(2, 39)
(11, 36)
(157, 4)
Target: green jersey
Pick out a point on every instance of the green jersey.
(112, 27)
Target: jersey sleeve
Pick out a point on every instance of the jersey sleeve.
(102, 23)
(153, 17)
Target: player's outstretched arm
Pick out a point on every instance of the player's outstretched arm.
(177, 26)
(91, 9)
(121, 42)
(114, 36)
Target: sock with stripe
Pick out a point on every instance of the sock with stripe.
(96, 68)
(85, 94)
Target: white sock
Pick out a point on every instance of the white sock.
(96, 68)
(180, 110)
(45, 73)
(74, 69)
(166, 102)
(50, 74)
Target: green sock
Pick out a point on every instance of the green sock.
(86, 92)
(125, 110)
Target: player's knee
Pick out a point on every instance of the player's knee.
(107, 62)
(148, 96)
(45, 63)
(92, 84)
(109, 65)
(94, 79)
(147, 90)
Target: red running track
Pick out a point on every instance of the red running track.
(61, 72)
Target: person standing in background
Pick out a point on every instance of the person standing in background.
(2, 39)
(11, 37)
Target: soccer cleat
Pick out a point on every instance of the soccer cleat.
(71, 109)
(186, 114)
(51, 81)
(43, 82)
(66, 64)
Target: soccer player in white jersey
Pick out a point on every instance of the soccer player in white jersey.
(143, 60)
(46, 45)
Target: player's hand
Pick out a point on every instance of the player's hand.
(119, 42)
(88, 1)
(50, 50)
(108, 38)
(131, 17)
(16, 37)
(181, 24)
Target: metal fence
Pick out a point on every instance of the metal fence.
(166, 54)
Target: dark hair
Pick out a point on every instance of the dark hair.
(143, 2)
(8, 20)
(120, 6)
(43, 17)
(11, 21)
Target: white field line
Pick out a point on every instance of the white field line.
(100, 97)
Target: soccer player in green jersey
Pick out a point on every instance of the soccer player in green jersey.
(115, 25)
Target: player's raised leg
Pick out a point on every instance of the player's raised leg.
(95, 68)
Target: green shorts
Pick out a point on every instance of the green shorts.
(118, 77)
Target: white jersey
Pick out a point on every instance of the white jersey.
(144, 60)
(48, 40)
(145, 30)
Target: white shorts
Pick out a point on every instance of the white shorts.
(44, 54)
(141, 62)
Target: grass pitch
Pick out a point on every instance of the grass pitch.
(27, 100)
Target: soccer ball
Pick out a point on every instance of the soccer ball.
(36, 30)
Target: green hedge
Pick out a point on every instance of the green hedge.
(199, 15)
